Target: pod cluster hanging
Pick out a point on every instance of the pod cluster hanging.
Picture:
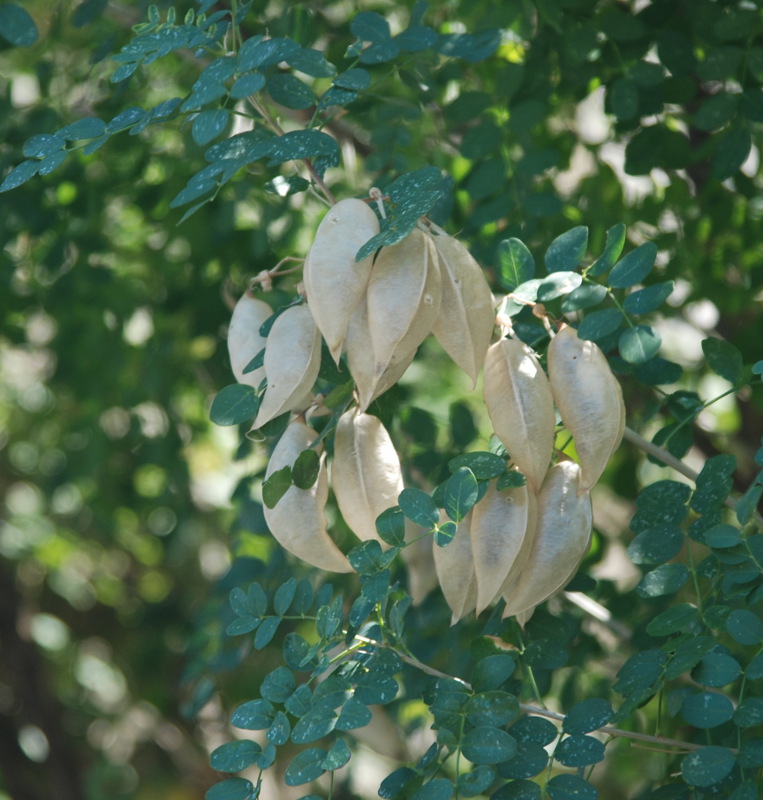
(521, 543)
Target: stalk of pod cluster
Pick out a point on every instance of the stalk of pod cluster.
(522, 543)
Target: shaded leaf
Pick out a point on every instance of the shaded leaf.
(707, 766)
(234, 404)
(567, 251)
(17, 26)
(723, 358)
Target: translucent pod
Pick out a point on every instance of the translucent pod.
(455, 571)
(334, 281)
(589, 399)
(292, 362)
(465, 323)
(360, 360)
(521, 407)
(502, 532)
(562, 538)
(244, 340)
(403, 299)
(365, 473)
(298, 520)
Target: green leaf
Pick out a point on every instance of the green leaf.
(209, 125)
(470, 784)
(337, 757)
(43, 144)
(530, 759)
(306, 468)
(492, 672)
(242, 625)
(510, 480)
(634, 267)
(641, 671)
(673, 620)
(717, 669)
(570, 787)
(390, 525)
(643, 301)
(666, 579)
(713, 483)
(488, 745)
(436, 789)
(279, 731)
(747, 504)
(515, 264)
(276, 486)
(472, 47)
(444, 533)
(289, 91)
(731, 153)
(586, 296)
(257, 53)
(234, 404)
(599, 324)
(640, 344)
(722, 536)
(707, 709)
(517, 790)
(256, 599)
(305, 766)
(416, 38)
(567, 251)
(16, 25)
(723, 358)
(354, 715)
(745, 627)
(311, 62)
(254, 715)
(355, 79)
(460, 494)
(87, 128)
(716, 111)
(579, 750)
(20, 174)
(318, 722)
(296, 145)
(658, 372)
(247, 85)
(688, 654)
(656, 545)
(231, 789)
(484, 465)
(661, 503)
(395, 782)
(707, 766)
(623, 98)
(266, 631)
(234, 756)
(587, 715)
(558, 284)
(368, 557)
(419, 507)
(612, 249)
(493, 708)
(368, 26)
(278, 685)
(284, 596)
(749, 712)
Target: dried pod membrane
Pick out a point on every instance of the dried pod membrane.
(360, 360)
(521, 407)
(292, 362)
(455, 570)
(298, 520)
(335, 283)
(562, 538)
(589, 399)
(244, 340)
(464, 325)
(403, 299)
(365, 473)
(502, 532)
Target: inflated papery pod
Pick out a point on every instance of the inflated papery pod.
(403, 299)
(455, 571)
(298, 520)
(365, 472)
(334, 281)
(419, 562)
(502, 533)
(562, 538)
(360, 360)
(521, 407)
(244, 340)
(589, 399)
(292, 362)
(464, 325)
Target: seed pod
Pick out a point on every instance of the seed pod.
(360, 360)
(521, 407)
(365, 472)
(562, 538)
(502, 531)
(403, 299)
(589, 399)
(298, 520)
(244, 340)
(292, 361)
(455, 571)
(419, 562)
(467, 315)
(335, 283)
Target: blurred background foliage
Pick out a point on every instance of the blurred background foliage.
(118, 534)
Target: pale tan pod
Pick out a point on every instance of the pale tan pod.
(292, 362)
(365, 473)
(562, 538)
(589, 399)
(455, 571)
(244, 340)
(298, 520)
(419, 562)
(360, 360)
(521, 407)
(502, 530)
(465, 323)
(403, 299)
(335, 283)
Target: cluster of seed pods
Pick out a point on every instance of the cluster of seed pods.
(521, 544)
